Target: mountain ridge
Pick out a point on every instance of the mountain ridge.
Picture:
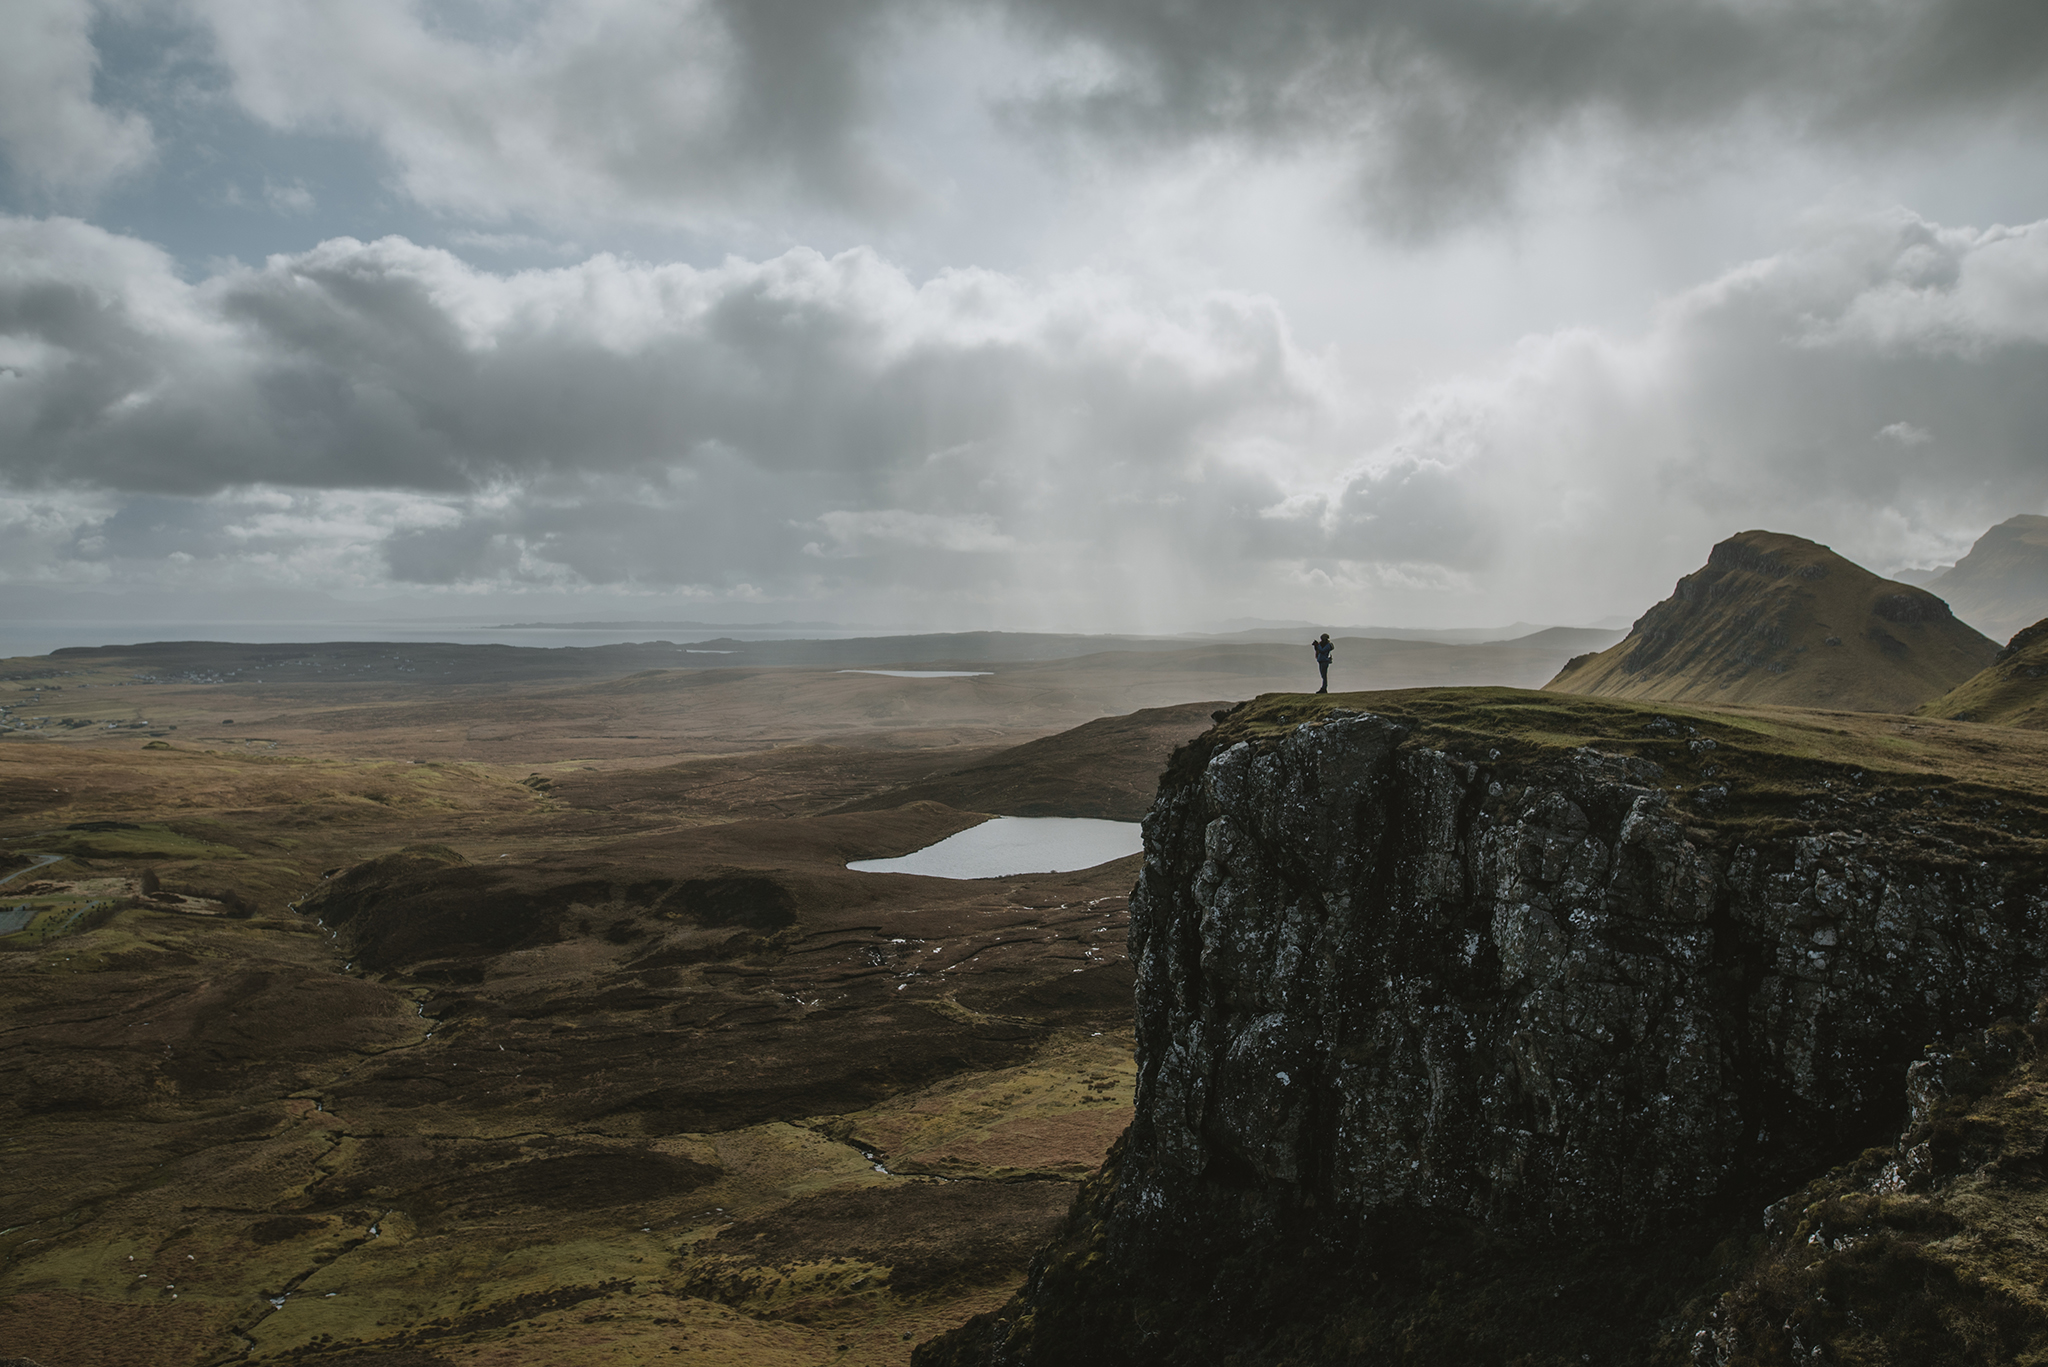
(1773, 618)
(2002, 584)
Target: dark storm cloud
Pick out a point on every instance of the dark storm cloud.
(719, 109)
(1442, 101)
(832, 425)
(387, 365)
(824, 419)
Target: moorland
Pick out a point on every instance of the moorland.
(434, 1004)
(423, 1005)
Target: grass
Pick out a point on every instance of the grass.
(2009, 693)
(130, 840)
(1782, 768)
(52, 917)
(1946, 1265)
(1776, 619)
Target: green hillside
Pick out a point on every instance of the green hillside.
(2012, 692)
(1777, 619)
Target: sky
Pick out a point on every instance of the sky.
(1098, 315)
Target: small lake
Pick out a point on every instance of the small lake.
(1010, 845)
(925, 673)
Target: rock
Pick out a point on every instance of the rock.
(1930, 1250)
(1401, 1009)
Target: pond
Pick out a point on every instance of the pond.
(925, 673)
(1008, 845)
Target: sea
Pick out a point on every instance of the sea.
(40, 638)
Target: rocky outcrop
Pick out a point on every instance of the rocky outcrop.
(1551, 1027)
(1933, 1250)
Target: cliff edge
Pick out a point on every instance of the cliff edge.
(1482, 1026)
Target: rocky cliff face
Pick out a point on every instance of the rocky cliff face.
(1429, 1034)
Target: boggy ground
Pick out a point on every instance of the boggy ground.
(319, 1055)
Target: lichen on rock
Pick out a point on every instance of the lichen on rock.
(1523, 1021)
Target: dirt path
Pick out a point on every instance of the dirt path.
(42, 861)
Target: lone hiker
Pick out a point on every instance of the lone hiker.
(1324, 650)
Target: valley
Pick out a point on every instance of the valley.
(439, 1005)
(511, 1021)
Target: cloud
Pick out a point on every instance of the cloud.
(294, 198)
(973, 445)
(1951, 290)
(1444, 104)
(57, 141)
(567, 110)
(613, 422)
(389, 364)
(1795, 392)
(897, 527)
(716, 113)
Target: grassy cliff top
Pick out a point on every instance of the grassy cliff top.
(1773, 619)
(1741, 770)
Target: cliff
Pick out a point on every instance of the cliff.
(1483, 1026)
(1777, 619)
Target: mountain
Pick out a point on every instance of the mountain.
(1579, 639)
(2012, 692)
(1779, 619)
(2002, 584)
(1287, 633)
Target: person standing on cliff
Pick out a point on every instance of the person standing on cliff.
(1324, 650)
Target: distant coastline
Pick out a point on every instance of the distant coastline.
(698, 626)
(28, 637)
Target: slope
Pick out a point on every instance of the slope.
(2002, 584)
(2012, 692)
(1777, 619)
(1107, 768)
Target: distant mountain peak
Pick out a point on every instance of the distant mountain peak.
(1778, 619)
(2001, 586)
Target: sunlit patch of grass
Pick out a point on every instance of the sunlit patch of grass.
(129, 840)
(50, 918)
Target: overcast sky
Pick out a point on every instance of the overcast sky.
(1077, 314)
